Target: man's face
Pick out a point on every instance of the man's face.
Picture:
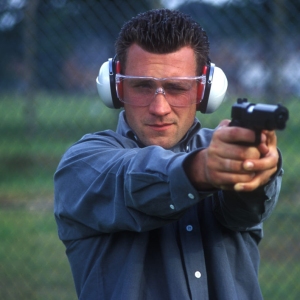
(159, 123)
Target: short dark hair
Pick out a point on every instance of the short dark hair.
(163, 31)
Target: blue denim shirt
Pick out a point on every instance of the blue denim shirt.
(134, 226)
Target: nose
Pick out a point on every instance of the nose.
(159, 105)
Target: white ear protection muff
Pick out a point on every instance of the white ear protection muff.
(214, 93)
(106, 84)
(215, 89)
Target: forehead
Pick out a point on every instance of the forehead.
(143, 63)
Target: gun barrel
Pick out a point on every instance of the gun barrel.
(259, 116)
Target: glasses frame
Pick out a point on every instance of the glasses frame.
(201, 79)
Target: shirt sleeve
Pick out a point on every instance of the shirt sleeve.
(245, 211)
(103, 185)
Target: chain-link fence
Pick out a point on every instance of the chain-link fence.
(51, 52)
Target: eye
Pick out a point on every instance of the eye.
(177, 87)
(142, 84)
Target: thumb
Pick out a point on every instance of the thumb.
(223, 123)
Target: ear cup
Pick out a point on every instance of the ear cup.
(106, 84)
(215, 89)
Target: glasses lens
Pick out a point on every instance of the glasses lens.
(180, 92)
(140, 91)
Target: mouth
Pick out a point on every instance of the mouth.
(160, 126)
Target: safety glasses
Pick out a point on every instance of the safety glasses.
(178, 91)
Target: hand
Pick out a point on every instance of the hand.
(264, 167)
(226, 164)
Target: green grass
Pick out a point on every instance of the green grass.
(33, 264)
(31, 147)
(280, 280)
(280, 261)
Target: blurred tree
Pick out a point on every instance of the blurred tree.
(77, 33)
(44, 33)
(259, 30)
(278, 28)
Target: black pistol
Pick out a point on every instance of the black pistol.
(258, 116)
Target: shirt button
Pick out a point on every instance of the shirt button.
(191, 196)
(197, 274)
(189, 228)
(172, 206)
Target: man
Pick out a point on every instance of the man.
(161, 209)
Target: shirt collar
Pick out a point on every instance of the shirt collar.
(124, 129)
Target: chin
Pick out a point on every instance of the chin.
(163, 144)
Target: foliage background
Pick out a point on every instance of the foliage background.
(51, 51)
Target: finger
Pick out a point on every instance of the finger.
(236, 135)
(233, 166)
(259, 180)
(263, 149)
(220, 180)
(270, 137)
(268, 140)
(247, 186)
(268, 162)
(223, 123)
(234, 152)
